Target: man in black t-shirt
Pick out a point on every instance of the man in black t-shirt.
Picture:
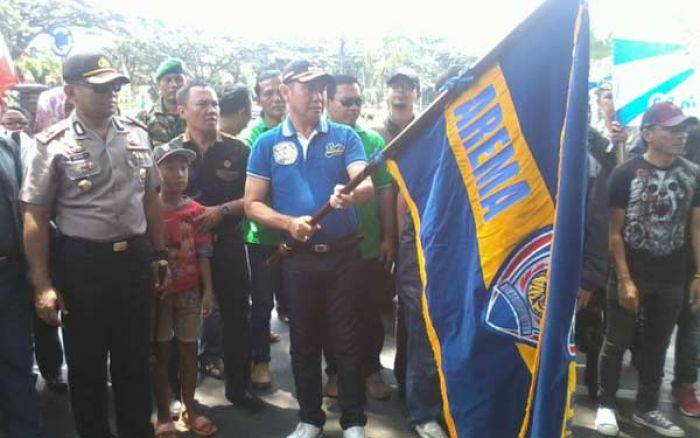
(654, 204)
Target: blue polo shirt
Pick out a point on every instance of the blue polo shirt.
(300, 184)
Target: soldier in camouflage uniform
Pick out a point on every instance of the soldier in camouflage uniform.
(163, 121)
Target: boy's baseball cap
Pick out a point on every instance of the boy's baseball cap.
(165, 151)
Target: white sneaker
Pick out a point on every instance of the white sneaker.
(431, 429)
(354, 432)
(605, 422)
(306, 430)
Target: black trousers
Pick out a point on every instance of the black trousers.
(323, 292)
(371, 330)
(231, 289)
(108, 296)
(660, 305)
(265, 282)
(47, 349)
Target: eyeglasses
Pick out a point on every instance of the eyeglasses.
(350, 101)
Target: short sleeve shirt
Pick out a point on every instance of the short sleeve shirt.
(253, 232)
(657, 204)
(368, 212)
(300, 184)
(185, 245)
(218, 176)
(95, 187)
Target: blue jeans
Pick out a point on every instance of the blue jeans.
(18, 402)
(423, 399)
(265, 281)
(687, 348)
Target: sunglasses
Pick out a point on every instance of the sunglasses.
(350, 101)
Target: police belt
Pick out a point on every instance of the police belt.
(118, 246)
(324, 248)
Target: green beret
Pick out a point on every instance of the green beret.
(170, 65)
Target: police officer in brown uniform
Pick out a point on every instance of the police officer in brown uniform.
(94, 171)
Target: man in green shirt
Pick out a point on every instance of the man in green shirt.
(266, 281)
(376, 225)
(162, 119)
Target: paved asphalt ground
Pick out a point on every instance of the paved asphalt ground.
(386, 419)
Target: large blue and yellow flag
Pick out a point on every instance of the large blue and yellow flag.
(495, 185)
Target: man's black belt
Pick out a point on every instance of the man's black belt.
(116, 246)
(323, 248)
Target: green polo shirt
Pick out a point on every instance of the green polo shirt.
(253, 232)
(368, 213)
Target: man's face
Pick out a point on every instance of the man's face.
(346, 105)
(14, 121)
(402, 95)
(98, 101)
(270, 99)
(201, 111)
(606, 104)
(667, 140)
(174, 173)
(304, 99)
(169, 84)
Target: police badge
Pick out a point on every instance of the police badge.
(285, 153)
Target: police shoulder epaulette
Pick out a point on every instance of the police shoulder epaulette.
(52, 131)
(133, 121)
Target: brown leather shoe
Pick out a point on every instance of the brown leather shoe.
(377, 388)
(260, 376)
(332, 387)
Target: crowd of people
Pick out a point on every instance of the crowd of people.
(150, 241)
(147, 241)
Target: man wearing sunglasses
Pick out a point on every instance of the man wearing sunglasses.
(654, 204)
(302, 164)
(94, 171)
(377, 227)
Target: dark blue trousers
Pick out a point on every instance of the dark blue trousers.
(18, 403)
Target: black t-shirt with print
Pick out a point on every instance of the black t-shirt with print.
(657, 203)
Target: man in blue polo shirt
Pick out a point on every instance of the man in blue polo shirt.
(302, 164)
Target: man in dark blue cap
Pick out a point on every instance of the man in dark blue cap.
(302, 164)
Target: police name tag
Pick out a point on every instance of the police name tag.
(334, 149)
(285, 153)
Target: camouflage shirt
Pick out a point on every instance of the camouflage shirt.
(162, 126)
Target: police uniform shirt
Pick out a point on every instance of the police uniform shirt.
(95, 187)
(218, 176)
(302, 179)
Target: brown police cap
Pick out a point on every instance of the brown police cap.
(91, 68)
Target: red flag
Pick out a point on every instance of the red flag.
(7, 68)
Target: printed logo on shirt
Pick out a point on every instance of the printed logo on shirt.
(285, 153)
(334, 149)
